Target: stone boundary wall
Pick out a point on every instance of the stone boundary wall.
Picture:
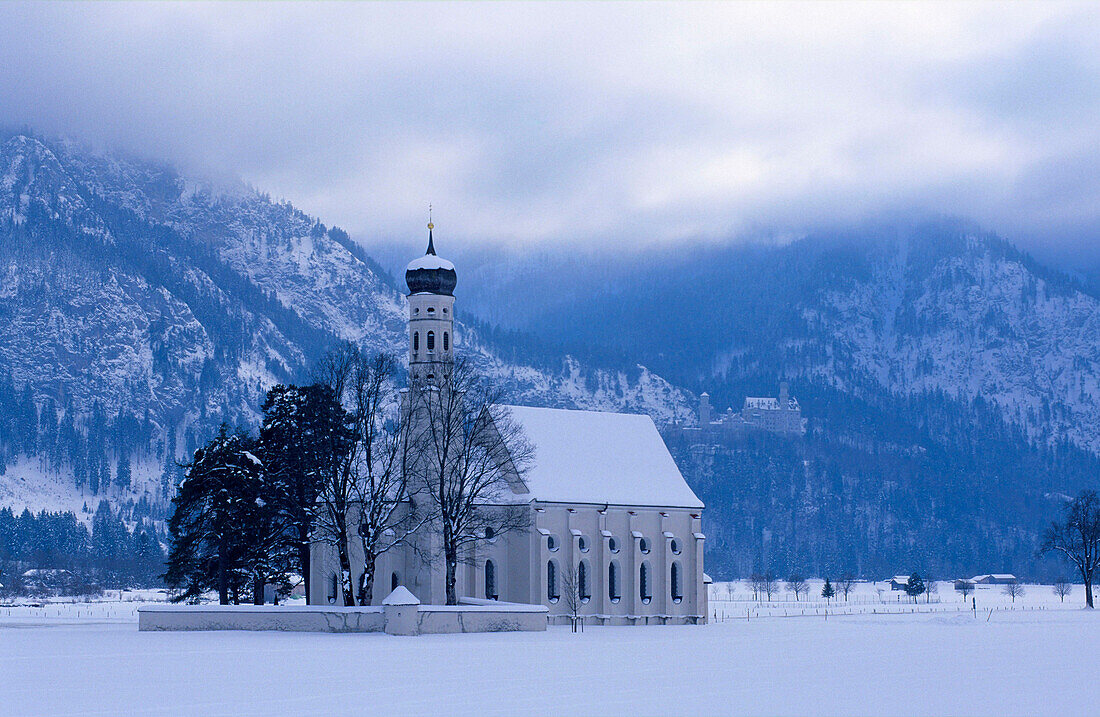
(470, 616)
(476, 615)
(307, 618)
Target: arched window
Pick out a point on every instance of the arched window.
(674, 544)
(416, 341)
(584, 589)
(446, 341)
(332, 590)
(489, 534)
(552, 581)
(643, 543)
(431, 341)
(490, 580)
(614, 590)
(677, 583)
(645, 587)
(395, 580)
(613, 544)
(582, 543)
(552, 543)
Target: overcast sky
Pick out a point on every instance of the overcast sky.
(571, 122)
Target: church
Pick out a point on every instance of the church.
(609, 511)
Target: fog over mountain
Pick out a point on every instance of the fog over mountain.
(593, 124)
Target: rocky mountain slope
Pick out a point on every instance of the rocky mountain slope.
(128, 292)
(910, 310)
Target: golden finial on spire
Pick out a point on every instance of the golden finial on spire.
(431, 244)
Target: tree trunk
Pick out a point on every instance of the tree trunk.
(303, 556)
(366, 580)
(452, 571)
(223, 573)
(345, 574)
(1088, 593)
(257, 590)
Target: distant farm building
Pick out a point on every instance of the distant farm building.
(898, 582)
(994, 579)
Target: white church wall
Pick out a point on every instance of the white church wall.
(640, 537)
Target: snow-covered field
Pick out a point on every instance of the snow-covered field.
(735, 600)
(89, 659)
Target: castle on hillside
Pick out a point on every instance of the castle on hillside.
(610, 518)
(780, 414)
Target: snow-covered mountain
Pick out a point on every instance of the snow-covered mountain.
(907, 310)
(949, 380)
(129, 290)
(971, 317)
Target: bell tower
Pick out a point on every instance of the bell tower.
(431, 281)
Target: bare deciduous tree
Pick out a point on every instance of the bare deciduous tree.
(1062, 588)
(1013, 590)
(571, 594)
(845, 585)
(797, 585)
(932, 587)
(369, 497)
(965, 587)
(756, 583)
(1077, 538)
(770, 586)
(469, 454)
(382, 493)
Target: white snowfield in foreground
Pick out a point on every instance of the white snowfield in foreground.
(91, 660)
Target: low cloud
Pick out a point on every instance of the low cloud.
(586, 123)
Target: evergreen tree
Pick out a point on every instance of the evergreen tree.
(93, 474)
(224, 535)
(123, 474)
(914, 587)
(27, 421)
(148, 557)
(110, 546)
(80, 465)
(47, 433)
(827, 591)
(305, 430)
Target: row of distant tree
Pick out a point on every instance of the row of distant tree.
(110, 555)
(349, 459)
(55, 432)
(1076, 538)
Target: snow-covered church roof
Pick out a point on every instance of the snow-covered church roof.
(430, 261)
(595, 457)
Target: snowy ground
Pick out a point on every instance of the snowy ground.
(730, 601)
(89, 659)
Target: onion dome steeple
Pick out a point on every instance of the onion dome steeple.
(431, 274)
